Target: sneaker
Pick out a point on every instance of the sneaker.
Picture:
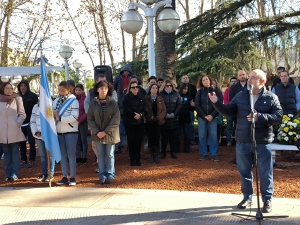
(72, 182)
(267, 208)
(110, 180)
(49, 178)
(97, 170)
(41, 178)
(23, 164)
(243, 204)
(229, 144)
(63, 181)
(203, 158)
(14, 178)
(102, 180)
(215, 158)
(31, 164)
(84, 161)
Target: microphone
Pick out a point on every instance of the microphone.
(251, 89)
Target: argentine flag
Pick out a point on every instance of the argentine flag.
(48, 126)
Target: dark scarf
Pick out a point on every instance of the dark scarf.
(80, 96)
(8, 98)
(61, 100)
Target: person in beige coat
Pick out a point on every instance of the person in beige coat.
(12, 116)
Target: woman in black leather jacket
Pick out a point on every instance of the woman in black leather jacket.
(169, 131)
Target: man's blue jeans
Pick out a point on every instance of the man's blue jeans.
(229, 128)
(265, 169)
(67, 144)
(205, 127)
(106, 160)
(43, 156)
(11, 159)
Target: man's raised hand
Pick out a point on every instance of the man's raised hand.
(213, 97)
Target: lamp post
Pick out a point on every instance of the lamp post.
(77, 64)
(65, 52)
(168, 21)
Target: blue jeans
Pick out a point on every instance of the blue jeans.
(106, 160)
(186, 133)
(67, 144)
(229, 128)
(205, 127)
(11, 159)
(82, 146)
(123, 138)
(44, 160)
(265, 169)
(192, 128)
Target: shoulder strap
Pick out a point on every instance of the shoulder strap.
(62, 109)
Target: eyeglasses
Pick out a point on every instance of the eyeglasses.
(168, 85)
(134, 87)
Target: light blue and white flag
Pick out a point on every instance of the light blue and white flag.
(48, 126)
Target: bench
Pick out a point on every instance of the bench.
(281, 147)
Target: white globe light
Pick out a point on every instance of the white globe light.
(168, 20)
(17, 79)
(65, 51)
(77, 64)
(149, 2)
(4, 78)
(131, 22)
(90, 76)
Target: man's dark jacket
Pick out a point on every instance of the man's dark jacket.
(236, 88)
(287, 98)
(29, 100)
(269, 114)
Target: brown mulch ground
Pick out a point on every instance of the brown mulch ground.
(186, 173)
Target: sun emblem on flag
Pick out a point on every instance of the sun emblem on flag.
(49, 112)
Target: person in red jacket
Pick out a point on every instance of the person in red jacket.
(82, 146)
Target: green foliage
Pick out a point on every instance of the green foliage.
(89, 84)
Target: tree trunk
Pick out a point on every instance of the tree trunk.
(4, 52)
(165, 52)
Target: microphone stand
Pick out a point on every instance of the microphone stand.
(259, 216)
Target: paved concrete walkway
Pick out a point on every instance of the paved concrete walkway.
(69, 205)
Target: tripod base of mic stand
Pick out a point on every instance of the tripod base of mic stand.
(258, 216)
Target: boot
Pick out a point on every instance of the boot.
(156, 160)
(163, 154)
(173, 155)
(119, 151)
(151, 150)
(78, 160)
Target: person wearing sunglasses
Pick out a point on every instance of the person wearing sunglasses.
(169, 133)
(134, 111)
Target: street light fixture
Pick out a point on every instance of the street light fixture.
(168, 21)
(65, 52)
(77, 65)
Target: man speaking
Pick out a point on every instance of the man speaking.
(267, 112)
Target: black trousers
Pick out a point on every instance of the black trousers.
(153, 131)
(32, 153)
(169, 136)
(135, 134)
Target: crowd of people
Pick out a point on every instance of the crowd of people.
(120, 114)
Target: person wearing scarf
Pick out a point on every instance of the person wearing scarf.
(65, 111)
(82, 145)
(12, 116)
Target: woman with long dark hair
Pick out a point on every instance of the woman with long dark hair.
(104, 120)
(154, 120)
(184, 118)
(134, 111)
(207, 118)
(12, 116)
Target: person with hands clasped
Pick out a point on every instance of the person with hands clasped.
(154, 120)
(169, 131)
(134, 110)
(104, 119)
(207, 118)
(268, 113)
(66, 111)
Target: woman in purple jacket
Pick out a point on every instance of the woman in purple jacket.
(82, 146)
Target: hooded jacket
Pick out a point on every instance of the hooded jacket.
(29, 100)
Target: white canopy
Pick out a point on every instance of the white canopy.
(26, 70)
